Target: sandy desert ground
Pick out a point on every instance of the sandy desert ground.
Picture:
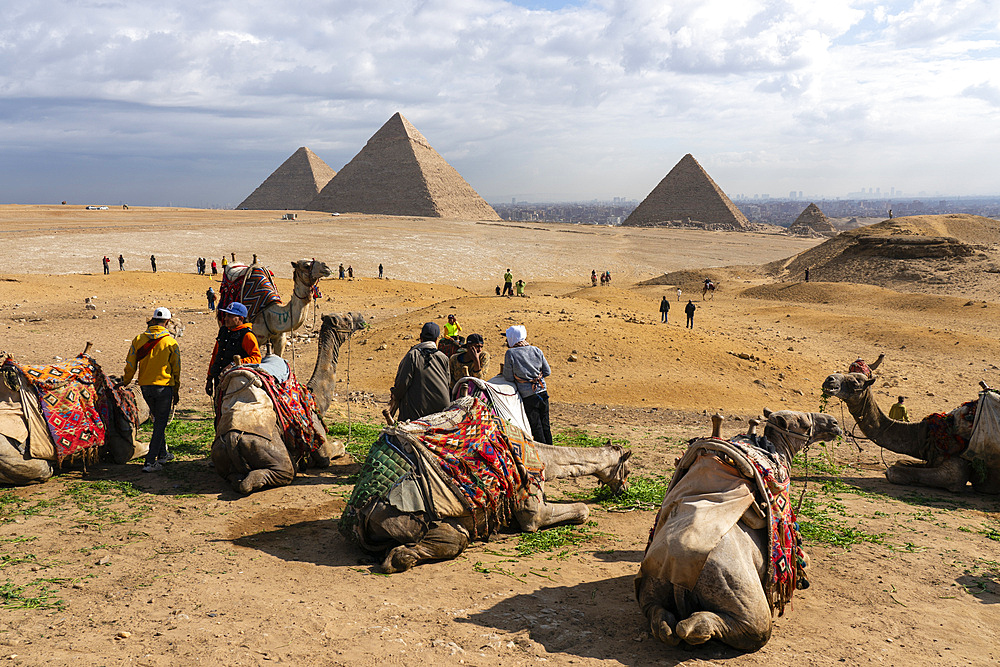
(173, 568)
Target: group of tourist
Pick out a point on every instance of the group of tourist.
(688, 310)
(510, 288)
(604, 277)
(154, 361)
(426, 375)
(106, 262)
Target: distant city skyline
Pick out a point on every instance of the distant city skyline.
(195, 104)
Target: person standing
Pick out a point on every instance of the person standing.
(678, 293)
(350, 271)
(225, 263)
(156, 356)
(235, 339)
(215, 268)
(689, 311)
(508, 283)
(664, 309)
(107, 265)
(380, 270)
(121, 262)
(470, 361)
(422, 384)
(593, 277)
(210, 294)
(807, 274)
(340, 272)
(526, 367)
(898, 411)
(152, 262)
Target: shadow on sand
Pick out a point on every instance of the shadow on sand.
(597, 619)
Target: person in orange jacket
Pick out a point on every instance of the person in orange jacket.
(235, 339)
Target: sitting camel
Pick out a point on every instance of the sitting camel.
(410, 531)
(249, 449)
(272, 324)
(938, 441)
(709, 569)
(27, 450)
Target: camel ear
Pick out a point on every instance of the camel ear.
(627, 456)
(295, 265)
(767, 413)
(869, 383)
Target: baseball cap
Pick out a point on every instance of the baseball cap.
(430, 331)
(474, 339)
(161, 313)
(235, 308)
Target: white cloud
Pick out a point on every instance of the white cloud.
(599, 99)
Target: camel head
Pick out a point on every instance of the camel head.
(345, 323)
(848, 387)
(616, 476)
(310, 271)
(799, 429)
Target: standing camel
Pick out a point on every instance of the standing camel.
(271, 325)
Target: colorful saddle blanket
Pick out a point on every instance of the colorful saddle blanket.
(301, 426)
(74, 401)
(253, 286)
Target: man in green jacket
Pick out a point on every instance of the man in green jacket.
(156, 356)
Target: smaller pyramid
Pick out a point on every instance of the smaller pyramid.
(810, 220)
(292, 185)
(687, 195)
(398, 173)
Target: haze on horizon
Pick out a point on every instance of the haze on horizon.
(196, 103)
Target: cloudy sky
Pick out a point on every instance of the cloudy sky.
(195, 102)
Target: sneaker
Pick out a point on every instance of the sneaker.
(166, 459)
(152, 467)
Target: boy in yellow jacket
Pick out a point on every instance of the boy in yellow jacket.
(156, 356)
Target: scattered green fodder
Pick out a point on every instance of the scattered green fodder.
(644, 493)
(13, 559)
(189, 436)
(551, 539)
(40, 596)
(13, 505)
(818, 461)
(100, 499)
(575, 437)
(817, 524)
(358, 437)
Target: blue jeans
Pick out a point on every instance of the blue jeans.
(159, 398)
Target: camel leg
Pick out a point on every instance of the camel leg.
(730, 586)
(444, 540)
(536, 513)
(277, 342)
(990, 485)
(652, 593)
(953, 474)
(249, 462)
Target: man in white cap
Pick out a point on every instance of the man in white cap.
(157, 358)
(526, 367)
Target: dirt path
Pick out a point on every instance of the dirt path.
(173, 568)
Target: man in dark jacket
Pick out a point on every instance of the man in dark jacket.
(664, 309)
(422, 384)
(689, 311)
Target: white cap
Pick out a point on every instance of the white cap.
(161, 313)
(516, 334)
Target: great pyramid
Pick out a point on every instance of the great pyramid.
(398, 173)
(687, 195)
(811, 220)
(292, 185)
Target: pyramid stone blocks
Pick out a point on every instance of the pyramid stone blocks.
(688, 195)
(399, 173)
(292, 185)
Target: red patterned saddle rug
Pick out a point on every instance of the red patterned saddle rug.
(73, 399)
(253, 286)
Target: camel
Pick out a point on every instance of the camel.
(271, 324)
(941, 462)
(408, 538)
(24, 433)
(248, 450)
(707, 572)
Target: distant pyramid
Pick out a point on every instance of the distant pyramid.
(292, 185)
(687, 194)
(398, 173)
(811, 219)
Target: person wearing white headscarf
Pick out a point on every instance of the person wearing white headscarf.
(526, 367)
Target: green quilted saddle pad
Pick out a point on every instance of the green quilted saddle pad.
(383, 468)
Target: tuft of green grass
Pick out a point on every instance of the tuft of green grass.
(96, 499)
(10, 559)
(818, 462)
(14, 596)
(816, 524)
(189, 436)
(358, 438)
(575, 437)
(551, 539)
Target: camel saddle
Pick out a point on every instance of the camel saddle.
(984, 445)
(253, 286)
